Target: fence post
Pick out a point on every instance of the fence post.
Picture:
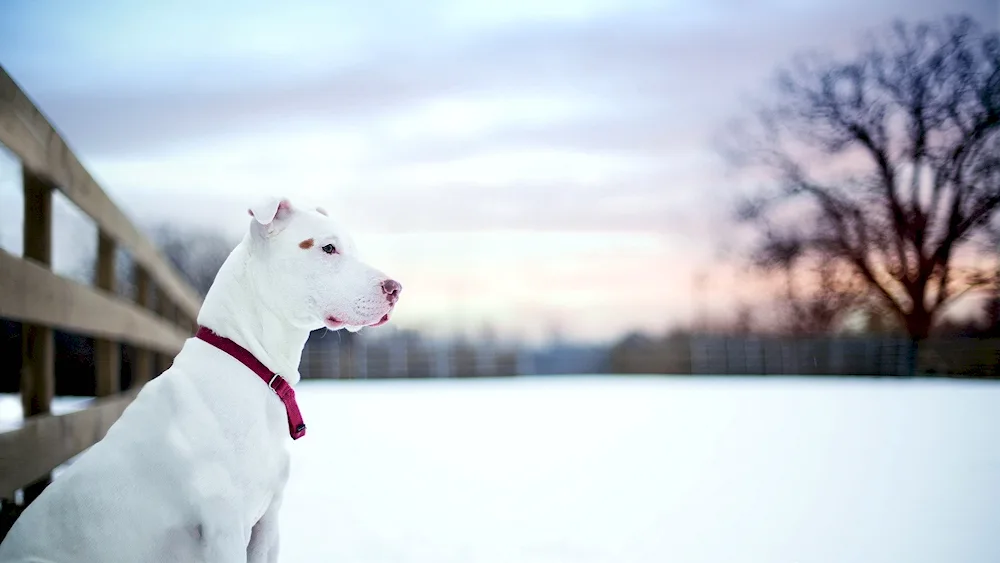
(361, 357)
(142, 363)
(345, 356)
(37, 342)
(789, 357)
(165, 309)
(911, 357)
(442, 360)
(107, 355)
(836, 356)
(38, 368)
(397, 352)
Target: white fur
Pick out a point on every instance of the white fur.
(194, 469)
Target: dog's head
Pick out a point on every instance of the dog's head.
(309, 267)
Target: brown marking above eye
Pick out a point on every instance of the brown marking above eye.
(306, 244)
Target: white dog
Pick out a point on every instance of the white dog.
(194, 469)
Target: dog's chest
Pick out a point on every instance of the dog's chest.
(224, 426)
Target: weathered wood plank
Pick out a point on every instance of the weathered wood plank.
(43, 442)
(33, 294)
(26, 132)
(107, 353)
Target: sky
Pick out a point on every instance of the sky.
(539, 166)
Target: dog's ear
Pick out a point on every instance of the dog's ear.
(270, 214)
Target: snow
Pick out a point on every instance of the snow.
(642, 469)
(686, 470)
(11, 413)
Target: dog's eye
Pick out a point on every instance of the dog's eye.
(330, 249)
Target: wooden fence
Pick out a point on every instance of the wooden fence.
(155, 324)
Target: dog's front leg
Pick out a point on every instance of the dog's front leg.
(263, 546)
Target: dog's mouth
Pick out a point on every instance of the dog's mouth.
(333, 323)
(382, 321)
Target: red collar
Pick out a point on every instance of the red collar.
(284, 391)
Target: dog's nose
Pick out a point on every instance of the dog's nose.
(391, 289)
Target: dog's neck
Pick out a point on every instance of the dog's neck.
(234, 308)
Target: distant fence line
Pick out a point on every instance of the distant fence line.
(864, 355)
(362, 358)
(340, 357)
(820, 356)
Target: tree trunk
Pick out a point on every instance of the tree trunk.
(918, 326)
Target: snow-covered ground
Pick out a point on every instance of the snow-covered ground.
(636, 470)
(11, 413)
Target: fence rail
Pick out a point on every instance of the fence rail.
(29, 135)
(32, 294)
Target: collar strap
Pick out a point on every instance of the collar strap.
(281, 388)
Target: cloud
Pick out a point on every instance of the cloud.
(641, 87)
(673, 64)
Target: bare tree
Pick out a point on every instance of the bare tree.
(816, 304)
(196, 254)
(885, 165)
